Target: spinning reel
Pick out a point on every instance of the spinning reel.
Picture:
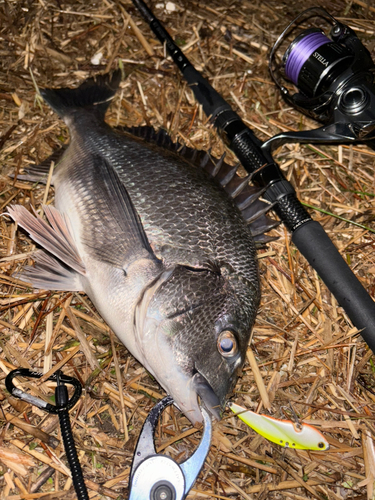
(335, 80)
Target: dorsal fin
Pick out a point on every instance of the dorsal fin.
(226, 174)
(236, 185)
(245, 196)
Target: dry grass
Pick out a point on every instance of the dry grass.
(307, 351)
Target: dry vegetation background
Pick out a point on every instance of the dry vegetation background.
(307, 352)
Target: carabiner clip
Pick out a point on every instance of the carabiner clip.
(57, 377)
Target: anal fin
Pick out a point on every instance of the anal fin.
(51, 274)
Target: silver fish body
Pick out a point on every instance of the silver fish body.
(158, 246)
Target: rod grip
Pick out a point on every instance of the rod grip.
(314, 243)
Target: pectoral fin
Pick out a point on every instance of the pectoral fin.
(116, 234)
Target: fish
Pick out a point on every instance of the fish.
(283, 432)
(160, 242)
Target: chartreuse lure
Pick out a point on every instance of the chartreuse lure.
(283, 432)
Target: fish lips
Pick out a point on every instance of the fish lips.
(207, 395)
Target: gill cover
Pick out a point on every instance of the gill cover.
(178, 324)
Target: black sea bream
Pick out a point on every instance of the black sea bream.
(159, 246)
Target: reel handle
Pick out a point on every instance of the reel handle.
(334, 133)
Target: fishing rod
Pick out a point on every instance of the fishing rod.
(308, 235)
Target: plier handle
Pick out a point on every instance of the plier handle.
(159, 477)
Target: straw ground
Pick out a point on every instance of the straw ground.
(304, 351)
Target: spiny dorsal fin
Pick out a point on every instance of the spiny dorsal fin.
(238, 188)
(221, 171)
(236, 185)
(256, 210)
(226, 174)
(219, 164)
(262, 225)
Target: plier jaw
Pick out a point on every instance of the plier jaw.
(159, 477)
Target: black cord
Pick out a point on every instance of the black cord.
(62, 399)
(62, 407)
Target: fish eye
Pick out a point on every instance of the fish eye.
(321, 445)
(227, 344)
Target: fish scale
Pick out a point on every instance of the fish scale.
(202, 211)
(156, 242)
(186, 217)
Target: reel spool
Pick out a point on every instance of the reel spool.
(334, 77)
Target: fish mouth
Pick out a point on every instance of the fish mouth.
(207, 395)
(186, 393)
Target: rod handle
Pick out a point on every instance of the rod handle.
(315, 245)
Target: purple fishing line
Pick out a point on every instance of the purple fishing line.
(301, 52)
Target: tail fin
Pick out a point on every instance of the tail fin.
(94, 94)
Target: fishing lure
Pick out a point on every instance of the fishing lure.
(283, 432)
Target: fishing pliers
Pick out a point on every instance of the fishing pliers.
(159, 477)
